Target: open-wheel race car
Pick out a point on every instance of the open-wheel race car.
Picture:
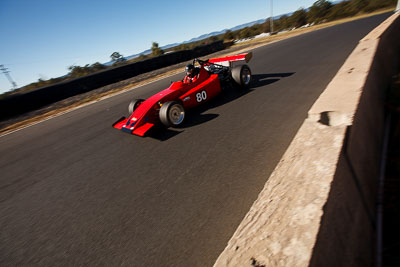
(169, 106)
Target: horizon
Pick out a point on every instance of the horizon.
(44, 38)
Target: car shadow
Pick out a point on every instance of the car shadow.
(196, 118)
(230, 93)
(260, 80)
(193, 118)
(163, 134)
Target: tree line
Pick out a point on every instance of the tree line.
(320, 11)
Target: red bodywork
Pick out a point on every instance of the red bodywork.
(146, 115)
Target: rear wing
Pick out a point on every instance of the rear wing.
(227, 61)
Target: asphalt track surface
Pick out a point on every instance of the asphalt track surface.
(75, 191)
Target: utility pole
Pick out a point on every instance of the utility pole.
(272, 19)
(6, 72)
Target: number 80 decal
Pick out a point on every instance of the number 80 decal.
(201, 96)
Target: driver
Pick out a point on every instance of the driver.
(191, 73)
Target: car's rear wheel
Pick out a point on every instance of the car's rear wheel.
(134, 104)
(242, 75)
(172, 113)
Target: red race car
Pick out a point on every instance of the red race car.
(168, 106)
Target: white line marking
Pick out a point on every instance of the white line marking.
(84, 105)
(121, 92)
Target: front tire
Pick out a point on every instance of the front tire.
(172, 113)
(242, 76)
(134, 104)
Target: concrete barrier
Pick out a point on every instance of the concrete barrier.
(318, 206)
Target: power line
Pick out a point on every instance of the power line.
(7, 73)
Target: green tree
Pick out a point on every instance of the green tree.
(266, 26)
(319, 11)
(156, 50)
(228, 35)
(244, 33)
(282, 23)
(257, 29)
(340, 10)
(142, 57)
(181, 47)
(212, 39)
(376, 4)
(117, 57)
(77, 71)
(298, 18)
(95, 67)
(357, 6)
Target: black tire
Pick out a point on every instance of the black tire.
(172, 113)
(242, 75)
(134, 104)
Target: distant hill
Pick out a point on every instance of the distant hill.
(204, 36)
(201, 37)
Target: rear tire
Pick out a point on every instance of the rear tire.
(242, 76)
(172, 113)
(134, 104)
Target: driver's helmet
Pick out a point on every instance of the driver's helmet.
(189, 69)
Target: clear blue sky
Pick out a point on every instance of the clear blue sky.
(41, 38)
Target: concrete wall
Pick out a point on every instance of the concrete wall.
(318, 206)
(350, 212)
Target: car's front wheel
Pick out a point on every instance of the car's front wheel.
(172, 113)
(134, 104)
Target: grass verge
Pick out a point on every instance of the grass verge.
(73, 103)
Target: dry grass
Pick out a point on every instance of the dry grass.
(285, 35)
(237, 48)
(81, 103)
